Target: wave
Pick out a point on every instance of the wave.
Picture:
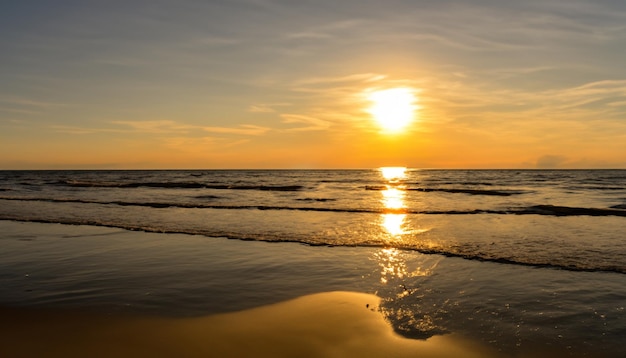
(479, 256)
(468, 183)
(320, 200)
(455, 190)
(453, 251)
(207, 197)
(158, 205)
(550, 210)
(344, 181)
(585, 187)
(570, 211)
(175, 185)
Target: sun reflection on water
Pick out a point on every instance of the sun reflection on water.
(400, 270)
(393, 266)
(392, 223)
(393, 173)
(393, 200)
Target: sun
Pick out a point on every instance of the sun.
(393, 109)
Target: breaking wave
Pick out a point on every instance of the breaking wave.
(550, 210)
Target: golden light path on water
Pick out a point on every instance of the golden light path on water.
(392, 266)
(391, 260)
(393, 199)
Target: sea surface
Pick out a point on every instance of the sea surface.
(519, 259)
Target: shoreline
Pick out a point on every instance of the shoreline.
(56, 274)
(333, 324)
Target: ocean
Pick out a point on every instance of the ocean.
(522, 260)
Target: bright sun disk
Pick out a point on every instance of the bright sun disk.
(393, 109)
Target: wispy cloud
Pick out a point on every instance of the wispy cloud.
(267, 107)
(244, 129)
(521, 71)
(157, 126)
(309, 123)
(30, 103)
(617, 104)
(335, 104)
(261, 108)
(357, 77)
(308, 35)
(604, 87)
(66, 129)
(212, 40)
(20, 110)
(164, 128)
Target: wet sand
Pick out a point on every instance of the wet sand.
(84, 291)
(336, 324)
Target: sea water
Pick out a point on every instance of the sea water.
(515, 258)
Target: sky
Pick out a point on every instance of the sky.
(284, 83)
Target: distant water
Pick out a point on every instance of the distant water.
(566, 219)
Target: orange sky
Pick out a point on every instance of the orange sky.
(268, 85)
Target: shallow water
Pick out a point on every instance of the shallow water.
(514, 309)
(565, 219)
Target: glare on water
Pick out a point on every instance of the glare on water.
(393, 199)
(393, 173)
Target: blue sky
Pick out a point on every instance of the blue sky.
(261, 83)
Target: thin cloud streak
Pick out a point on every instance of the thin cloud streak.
(156, 126)
(244, 129)
(163, 127)
(310, 123)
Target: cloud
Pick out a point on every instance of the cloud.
(617, 104)
(599, 87)
(521, 71)
(261, 108)
(169, 128)
(20, 110)
(83, 130)
(308, 35)
(325, 31)
(267, 107)
(550, 161)
(580, 97)
(29, 102)
(310, 123)
(157, 126)
(335, 102)
(244, 129)
(591, 101)
(216, 41)
(357, 77)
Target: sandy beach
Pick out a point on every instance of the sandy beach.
(337, 324)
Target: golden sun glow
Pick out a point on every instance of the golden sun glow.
(393, 173)
(393, 224)
(393, 109)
